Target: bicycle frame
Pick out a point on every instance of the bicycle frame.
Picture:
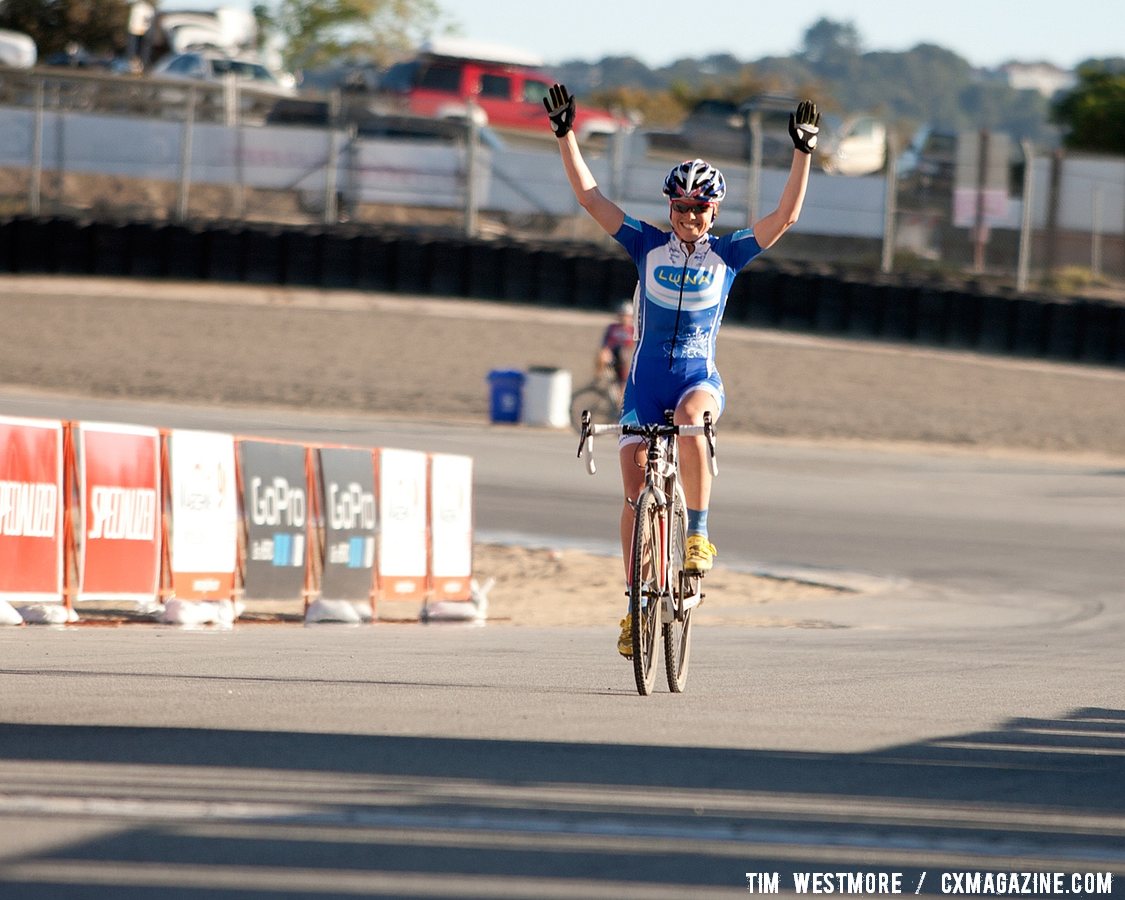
(656, 564)
(662, 479)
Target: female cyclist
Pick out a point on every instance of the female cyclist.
(685, 278)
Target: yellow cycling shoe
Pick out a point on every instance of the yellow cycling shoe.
(699, 555)
(625, 639)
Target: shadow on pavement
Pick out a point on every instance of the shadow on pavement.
(332, 815)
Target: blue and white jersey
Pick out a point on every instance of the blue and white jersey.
(692, 288)
(680, 305)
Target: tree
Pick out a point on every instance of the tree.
(832, 47)
(1093, 113)
(97, 25)
(316, 32)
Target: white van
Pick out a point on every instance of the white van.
(857, 147)
(17, 50)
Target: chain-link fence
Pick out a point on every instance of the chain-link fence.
(123, 148)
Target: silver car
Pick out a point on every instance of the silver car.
(212, 66)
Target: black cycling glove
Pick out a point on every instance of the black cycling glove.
(560, 109)
(804, 125)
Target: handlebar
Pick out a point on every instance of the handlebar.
(590, 430)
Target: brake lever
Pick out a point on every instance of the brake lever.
(586, 443)
(709, 430)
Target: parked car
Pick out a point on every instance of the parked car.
(17, 49)
(856, 146)
(312, 113)
(720, 129)
(225, 29)
(213, 66)
(497, 86)
(75, 56)
(927, 166)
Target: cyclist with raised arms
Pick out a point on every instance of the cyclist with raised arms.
(685, 278)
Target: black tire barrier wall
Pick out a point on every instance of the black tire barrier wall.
(565, 275)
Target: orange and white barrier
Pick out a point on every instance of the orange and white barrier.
(119, 499)
(93, 511)
(403, 538)
(203, 507)
(451, 527)
(31, 510)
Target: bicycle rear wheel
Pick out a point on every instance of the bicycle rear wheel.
(602, 406)
(677, 633)
(644, 592)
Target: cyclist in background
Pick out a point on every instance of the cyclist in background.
(685, 278)
(616, 351)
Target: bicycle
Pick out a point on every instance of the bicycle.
(601, 397)
(656, 563)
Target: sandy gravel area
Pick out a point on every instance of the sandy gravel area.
(353, 351)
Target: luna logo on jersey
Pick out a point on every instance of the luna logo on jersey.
(689, 279)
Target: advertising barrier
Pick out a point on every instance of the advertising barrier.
(451, 526)
(403, 550)
(120, 512)
(347, 504)
(31, 510)
(95, 511)
(204, 511)
(276, 511)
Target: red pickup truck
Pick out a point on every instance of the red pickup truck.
(502, 88)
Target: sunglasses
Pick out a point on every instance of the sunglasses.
(684, 208)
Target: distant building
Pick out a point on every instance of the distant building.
(1043, 77)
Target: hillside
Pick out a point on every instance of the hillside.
(926, 85)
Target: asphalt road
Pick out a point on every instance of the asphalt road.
(965, 713)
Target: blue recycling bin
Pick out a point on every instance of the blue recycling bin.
(506, 395)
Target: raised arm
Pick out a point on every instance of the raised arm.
(560, 110)
(803, 129)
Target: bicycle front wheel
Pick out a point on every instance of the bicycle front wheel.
(602, 406)
(677, 633)
(644, 592)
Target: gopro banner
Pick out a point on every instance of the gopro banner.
(276, 512)
(31, 509)
(347, 494)
(119, 538)
(451, 526)
(403, 550)
(204, 507)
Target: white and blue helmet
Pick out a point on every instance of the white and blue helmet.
(694, 179)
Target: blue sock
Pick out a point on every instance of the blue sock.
(697, 521)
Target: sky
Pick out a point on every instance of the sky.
(986, 33)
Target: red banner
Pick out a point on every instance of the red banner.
(119, 470)
(31, 509)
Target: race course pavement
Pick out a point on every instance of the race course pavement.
(969, 716)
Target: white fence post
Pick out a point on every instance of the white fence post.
(185, 158)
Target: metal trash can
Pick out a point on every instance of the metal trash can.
(547, 397)
(505, 395)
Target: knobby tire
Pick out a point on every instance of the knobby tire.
(645, 586)
(677, 633)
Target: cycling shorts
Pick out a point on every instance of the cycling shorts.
(654, 388)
